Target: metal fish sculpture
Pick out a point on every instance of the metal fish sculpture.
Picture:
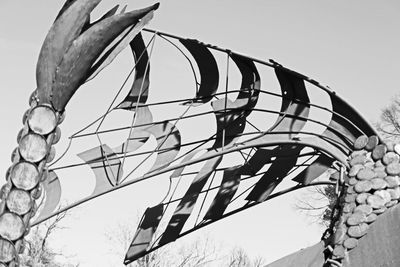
(76, 50)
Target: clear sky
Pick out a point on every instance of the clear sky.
(352, 46)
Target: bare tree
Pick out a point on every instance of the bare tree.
(239, 258)
(200, 252)
(319, 204)
(37, 251)
(389, 125)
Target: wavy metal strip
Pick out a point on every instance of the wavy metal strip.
(208, 70)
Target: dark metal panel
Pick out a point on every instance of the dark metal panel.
(261, 157)
(278, 170)
(230, 124)
(315, 170)
(295, 102)
(229, 186)
(208, 69)
(344, 123)
(105, 165)
(144, 234)
(251, 83)
(140, 87)
(186, 205)
(189, 156)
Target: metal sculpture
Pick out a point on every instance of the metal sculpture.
(70, 55)
(76, 50)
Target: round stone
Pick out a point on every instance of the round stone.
(56, 135)
(7, 251)
(397, 148)
(371, 218)
(5, 190)
(390, 157)
(25, 175)
(19, 201)
(339, 252)
(339, 235)
(350, 198)
(383, 194)
(380, 174)
(349, 207)
(378, 152)
(391, 203)
(363, 186)
(375, 201)
(361, 142)
(361, 159)
(355, 169)
(380, 210)
(353, 181)
(358, 153)
(394, 193)
(378, 183)
(363, 209)
(52, 154)
(11, 226)
(15, 156)
(392, 181)
(369, 164)
(33, 98)
(373, 141)
(356, 218)
(36, 193)
(393, 168)
(33, 147)
(24, 131)
(380, 169)
(350, 243)
(25, 116)
(357, 231)
(42, 120)
(350, 189)
(362, 198)
(366, 174)
(390, 146)
(378, 163)
(34, 209)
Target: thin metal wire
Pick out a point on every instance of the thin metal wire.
(205, 197)
(125, 147)
(328, 126)
(187, 58)
(158, 146)
(279, 66)
(202, 142)
(226, 99)
(119, 91)
(228, 214)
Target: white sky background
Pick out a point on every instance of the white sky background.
(352, 46)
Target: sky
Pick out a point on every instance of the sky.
(352, 46)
